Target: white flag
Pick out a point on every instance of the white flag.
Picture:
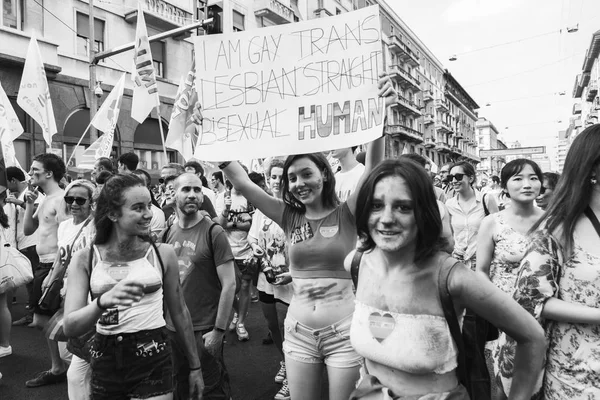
(100, 148)
(182, 134)
(106, 118)
(34, 95)
(145, 89)
(10, 126)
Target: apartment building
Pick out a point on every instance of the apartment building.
(487, 139)
(585, 111)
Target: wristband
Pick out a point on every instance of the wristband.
(220, 330)
(195, 369)
(100, 305)
(224, 164)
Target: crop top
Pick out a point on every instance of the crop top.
(144, 315)
(317, 247)
(416, 344)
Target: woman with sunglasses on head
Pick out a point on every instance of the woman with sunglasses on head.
(131, 282)
(320, 232)
(400, 324)
(559, 279)
(502, 239)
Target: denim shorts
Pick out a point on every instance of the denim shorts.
(329, 345)
(131, 365)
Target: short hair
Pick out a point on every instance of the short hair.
(147, 178)
(218, 176)
(425, 206)
(275, 163)
(53, 163)
(176, 166)
(103, 177)
(196, 165)
(419, 159)
(15, 173)
(552, 179)
(256, 178)
(106, 163)
(129, 160)
(495, 179)
(171, 178)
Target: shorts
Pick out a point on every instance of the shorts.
(269, 298)
(39, 275)
(330, 345)
(247, 273)
(130, 365)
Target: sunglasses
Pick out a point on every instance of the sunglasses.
(79, 200)
(459, 177)
(161, 180)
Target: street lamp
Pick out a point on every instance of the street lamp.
(453, 57)
(98, 89)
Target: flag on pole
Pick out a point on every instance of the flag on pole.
(10, 129)
(145, 89)
(105, 120)
(34, 94)
(182, 134)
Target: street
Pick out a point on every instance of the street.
(252, 365)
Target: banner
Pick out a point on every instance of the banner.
(105, 120)
(145, 89)
(288, 89)
(10, 129)
(34, 94)
(182, 134)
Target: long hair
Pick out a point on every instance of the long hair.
(111, 200)
(574, 190)
(515, 167)
(426, 210)
(328, 196)
(63, 209)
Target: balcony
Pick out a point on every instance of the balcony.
(576, 108)
(273, 10)
(405, 80)
(427, 96)
(592, 91)
(442, 147)
(404, 52)
(443, 127)
(429, 142)
(441, 105)
(429, 119)
(404, 132)
(13, 50)
(408, 106)
(456, 150)
(459, 134)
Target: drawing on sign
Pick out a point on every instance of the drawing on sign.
(296, 88)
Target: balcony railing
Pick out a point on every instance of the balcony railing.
(429, 119)
(405, 132)
(427, 96)
(441, 105)
(430, 142)
(442, 147)
(404, 78)
(592, 91)
(456, 150)
(408, 106)
(443, 127)
(405, 53)
(576, 108)
(273, 10)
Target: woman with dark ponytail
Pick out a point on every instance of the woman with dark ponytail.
(130, 279)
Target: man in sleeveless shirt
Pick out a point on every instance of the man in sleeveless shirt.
(207, 277)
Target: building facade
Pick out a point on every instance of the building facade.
(434, 115)
(487, 139)
(585, 90)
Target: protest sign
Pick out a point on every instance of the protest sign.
(289, 89)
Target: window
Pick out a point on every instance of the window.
(391, 29)
(338, 11)
(158, 58)
(12, 14)
(238, 21)
(83, 34)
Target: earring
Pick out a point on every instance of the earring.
(593, 181)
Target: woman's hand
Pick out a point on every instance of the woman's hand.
(124, 293)
(196, 384)
(386, 89)
(283, 279)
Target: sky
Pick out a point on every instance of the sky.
(521, 80)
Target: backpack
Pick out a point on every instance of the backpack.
(238, 274)
(472, 370)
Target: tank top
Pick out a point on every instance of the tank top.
(148, 312)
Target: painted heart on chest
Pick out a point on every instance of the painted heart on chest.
(381, 325)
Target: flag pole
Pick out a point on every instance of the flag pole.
(162, 134)
(78, 143)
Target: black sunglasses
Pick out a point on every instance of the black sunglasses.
(458, 177)
(161, 180)
(79, 200)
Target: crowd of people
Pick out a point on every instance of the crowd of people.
(399, 283)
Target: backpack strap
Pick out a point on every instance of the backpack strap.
(355, 266)
(210, 242)
(445, 270)
(160, 261)
(485, 208)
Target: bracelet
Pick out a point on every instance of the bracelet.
(220, 330)
(224, 164)
(100, 305)
(195, 369)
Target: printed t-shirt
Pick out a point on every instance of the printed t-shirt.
(198, 261)
(66, 234)
(240, 211)
(346, 182)
(317, 247)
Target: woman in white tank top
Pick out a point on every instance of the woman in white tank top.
(129, 279)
